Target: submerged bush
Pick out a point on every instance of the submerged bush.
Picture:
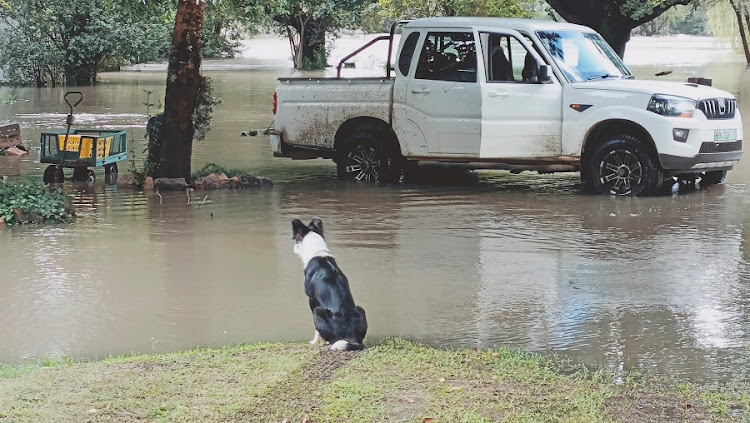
(32, 202)
(210, 168)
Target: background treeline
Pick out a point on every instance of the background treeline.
(67, 42)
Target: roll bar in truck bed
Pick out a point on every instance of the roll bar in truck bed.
(371, 42)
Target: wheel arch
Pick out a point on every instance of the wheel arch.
(372, 125)
(602, 131)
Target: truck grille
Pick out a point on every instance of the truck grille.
(721, 147)
(718, 108)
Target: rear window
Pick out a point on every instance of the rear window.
(404, 61)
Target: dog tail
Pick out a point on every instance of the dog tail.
(347, 345)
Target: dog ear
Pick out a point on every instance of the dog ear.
(316, 225)
(299, 230)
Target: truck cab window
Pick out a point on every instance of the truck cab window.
(507, 60)
(407, 52)
(448, 56)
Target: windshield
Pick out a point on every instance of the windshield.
(583, 56)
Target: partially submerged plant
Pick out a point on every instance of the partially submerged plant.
(210, 168)
(32, 202)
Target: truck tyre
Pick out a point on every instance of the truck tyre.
(713, 177)
(363, 157)
(623, 166)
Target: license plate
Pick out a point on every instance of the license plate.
(725, 135)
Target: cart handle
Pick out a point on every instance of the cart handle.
(80, 98)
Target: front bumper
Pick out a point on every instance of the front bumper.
(701, 162)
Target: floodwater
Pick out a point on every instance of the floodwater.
(659, 285)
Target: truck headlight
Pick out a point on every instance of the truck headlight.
(672, 106)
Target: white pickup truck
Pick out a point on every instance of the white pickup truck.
(510, 94)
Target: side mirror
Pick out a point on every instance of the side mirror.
(545, 74)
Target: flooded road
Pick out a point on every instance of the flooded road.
(659, 285)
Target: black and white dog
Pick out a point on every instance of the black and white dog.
(337, 319)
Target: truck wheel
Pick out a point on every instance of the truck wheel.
(363, 157)
(713, 177)
(623, 166)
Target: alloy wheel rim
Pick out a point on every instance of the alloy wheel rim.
(363, 164)
(620, 171)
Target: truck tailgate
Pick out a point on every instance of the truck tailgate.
(310, 111)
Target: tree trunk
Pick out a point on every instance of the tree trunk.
(607, 18)
(741, 25)
(183, 82)
(617, 36)
(313, 45)
(80, 72)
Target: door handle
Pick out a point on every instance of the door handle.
(498, 93)
(420, 90)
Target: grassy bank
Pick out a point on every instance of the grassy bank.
(392, 381)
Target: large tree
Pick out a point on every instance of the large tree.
(741, 9)
(410, 9)
(184, 85)
(307, 23)
(226, 23)
(614, 19)
(56, 42)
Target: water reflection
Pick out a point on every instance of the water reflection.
(654, 284)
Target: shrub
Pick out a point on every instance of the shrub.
(32, 202)
(210, 168)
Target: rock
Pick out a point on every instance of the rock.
(148, 183)
(23, 217)
(171, 183)
(205, 183)
(127, 180)
(10, 135)
(221, 180)
(16, 152)
(250, 181)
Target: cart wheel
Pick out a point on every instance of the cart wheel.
(82, 174)
(110, 169)
(53, 175)
(110, 173)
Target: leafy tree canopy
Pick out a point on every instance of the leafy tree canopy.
(614, 19)
(52, 42)
(406, 9)
(307, 22)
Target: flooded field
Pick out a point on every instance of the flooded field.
(659, 285)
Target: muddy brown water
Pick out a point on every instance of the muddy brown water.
(659, 285)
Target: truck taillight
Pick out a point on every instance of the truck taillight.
(275, 102)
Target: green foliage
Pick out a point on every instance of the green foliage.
(640, 9)
(225, 23)
(33, 202)
(149, 165)
(722, 21)
(409, 9)
(204, 109)
(677, 20)
(210, 168)
(319, 60)
(65, 42)
(306, 23)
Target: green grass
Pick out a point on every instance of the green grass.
(394, 380)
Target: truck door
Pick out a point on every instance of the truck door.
(444, 97)
(521, 118)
